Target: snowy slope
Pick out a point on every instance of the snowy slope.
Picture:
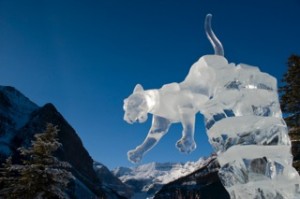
(15, 111)
(19, 107)
(203, 183)
(147, 179)
(112, 182)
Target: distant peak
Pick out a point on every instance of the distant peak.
(10, 89)
(15, 106)
(16, 98)
(7, 88)
(50, 106)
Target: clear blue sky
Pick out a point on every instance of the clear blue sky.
(86, 56)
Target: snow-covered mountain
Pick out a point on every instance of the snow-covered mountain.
(21, 119)
(15, 110)
(112, 182)
(204, 183)
(147, 179)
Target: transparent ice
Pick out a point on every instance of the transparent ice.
(243, 122)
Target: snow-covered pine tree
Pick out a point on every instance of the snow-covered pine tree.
(41, 174)
(290, 96)
(290, 104)
(8, 178)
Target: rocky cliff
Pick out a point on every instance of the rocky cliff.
(20, 119)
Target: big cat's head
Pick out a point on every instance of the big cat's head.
(135, 106)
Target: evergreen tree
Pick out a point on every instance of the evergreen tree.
(8, 178)
(290, 96)
(41, 175)
(290, 105)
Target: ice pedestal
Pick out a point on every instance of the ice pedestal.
(261, 178)
(246, 129)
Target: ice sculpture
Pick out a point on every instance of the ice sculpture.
(242, 117)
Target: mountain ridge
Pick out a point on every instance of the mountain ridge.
(21, 119)
(203, 183)
(147, 179)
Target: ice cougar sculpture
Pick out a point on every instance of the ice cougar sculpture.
(242, 117)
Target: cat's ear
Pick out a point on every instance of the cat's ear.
(138, 88)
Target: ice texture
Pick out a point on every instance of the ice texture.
(243, 122)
